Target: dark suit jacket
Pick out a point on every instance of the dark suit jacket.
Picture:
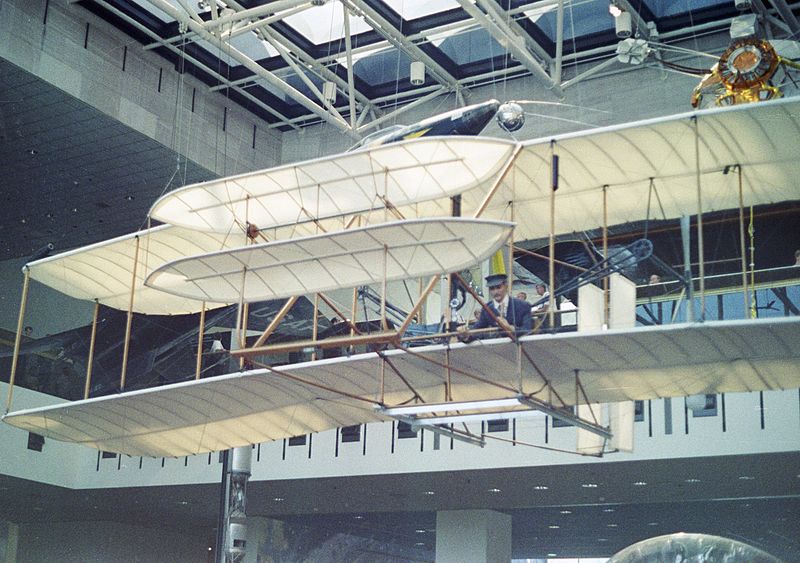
(518, 315)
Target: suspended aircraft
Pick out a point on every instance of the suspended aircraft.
(382, 213)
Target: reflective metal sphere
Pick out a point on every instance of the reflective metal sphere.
(510, 116)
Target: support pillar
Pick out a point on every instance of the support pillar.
(478, 536)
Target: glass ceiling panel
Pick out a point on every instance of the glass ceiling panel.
(413, 9)
(388, 65)
(666, 8)
(322, 24)
(469, 46)
(253, 47)
(580, 19)
(296, 82)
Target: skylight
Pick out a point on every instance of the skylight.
(322, 24)
(413, 9)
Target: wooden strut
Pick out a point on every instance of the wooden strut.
(340, 341)
(502, 176)
(129, 320)
(700, 252)
(243, 332)
(274, 323)
(90, 360)
(18, 338)
(417, 306)
(606, 301)
(200, 335)
(745, 291)
(315, 327)
(551, 307)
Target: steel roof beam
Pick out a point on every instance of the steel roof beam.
(211, 72)
(504, 19)
(251, 65)
(510, 40)
(322, 71)
(787, 15)
(395, 37)
(639, 25)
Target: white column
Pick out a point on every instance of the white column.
(12, 541)
(477, 536)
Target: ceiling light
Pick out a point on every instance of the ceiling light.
(540, 487)
(589, 485)
(420, 543)
(279, 499)
(608, 510)
(565, 511)
(640, 484)
(554, 526)
(33, 152)
(494, 490)
(420, 531)
(358, 517)
(129, 197)
(417, 73)
(692, 480)
(429, 493)
(652, 523)
(602, 539)
(552, 554)
(611, 526)
(746, 478)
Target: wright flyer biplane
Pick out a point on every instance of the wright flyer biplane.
(383, 214)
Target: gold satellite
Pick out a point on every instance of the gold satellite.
(744, 74)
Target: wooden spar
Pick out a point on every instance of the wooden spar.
(384, 324)
(130, 318)
(700, 257)
(417, 306)
(745, 292)
(337, 341)
(496, 186)
(278, 318)
(605, 254)
(18, 339)
(353, 317)
(243, 333)
(90, 360)
(551, 313)
(315, 326)
(200, 335)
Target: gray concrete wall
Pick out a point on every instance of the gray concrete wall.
(83, 542)
(51, 46)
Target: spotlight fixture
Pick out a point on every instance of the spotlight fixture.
(417, 73)
(329, 92)
(614, 10)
